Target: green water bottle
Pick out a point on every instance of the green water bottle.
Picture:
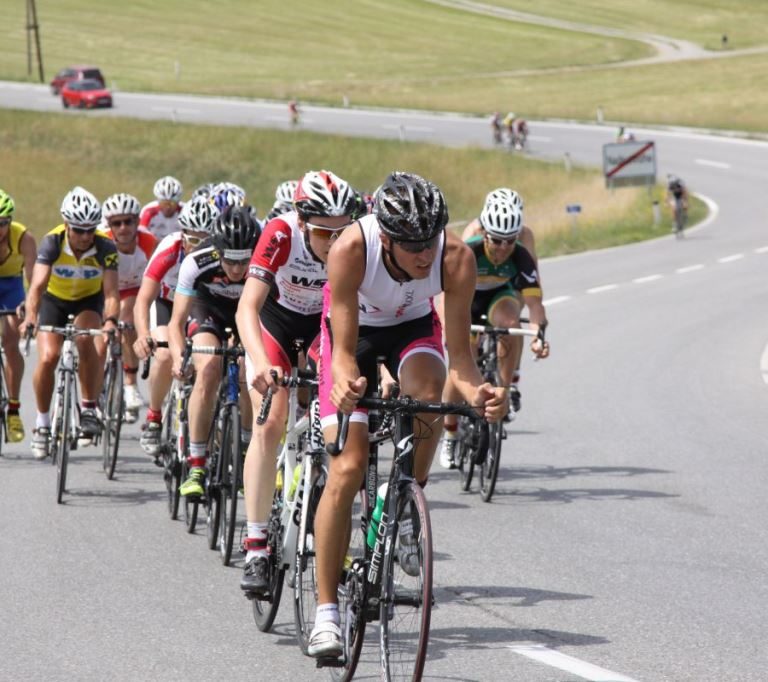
(377, 512)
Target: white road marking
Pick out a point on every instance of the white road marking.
(556, 299)
(730, 259)
(604, 287)
(764, 364)
(762, 249)
(648, 278)
(406, 128)
(176, 110)
(689, 268)
(575, 666)
(713, 164)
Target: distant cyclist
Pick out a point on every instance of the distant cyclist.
(283, 199)
(18, 251)
(496, 127)
(135, 247)
(75, 274)
(154, 304)
(677, 199)
(160, 217)
(293, 112)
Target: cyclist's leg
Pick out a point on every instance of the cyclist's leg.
(504, 311)
(14, 371)
(130, 360)
(48, 352)
(90, 357)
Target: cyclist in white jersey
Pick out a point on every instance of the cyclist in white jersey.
(161, 217)
(154, 304)
(383, 273)
(281, 303)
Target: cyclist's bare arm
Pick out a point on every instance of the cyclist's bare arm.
(254, 295)
(41, 273)
(460, 277)
(538, 319)
(148, 292)
(346, 269)
(28, 249)
(473, 229)
(111, 294)
(182, 304)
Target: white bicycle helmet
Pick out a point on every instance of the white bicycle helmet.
(120, 204)
(198, 215)
(323, 194)
(285, 191)
(81, 209)
(502, 215)
(168, 189)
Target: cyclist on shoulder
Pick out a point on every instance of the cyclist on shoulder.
(383, 274)
(210, 285)
(282, 303)
(160, 217)
(507, 280)
(135, 246)
(75, 274)
(154, 304)
(18, 251)
(677, 192)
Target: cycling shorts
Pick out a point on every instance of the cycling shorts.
(486, 299)
(11, 292)
(395, 344)
(204, 320)
(127, 293)
(160, 313)
(55, 311)
(280, 328)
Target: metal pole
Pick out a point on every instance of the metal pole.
(29, 43)
(37, 39)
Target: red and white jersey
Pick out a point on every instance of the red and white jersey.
(281, 257)
(152, 219)
(131, 266)
(383, 301)
(165, 264)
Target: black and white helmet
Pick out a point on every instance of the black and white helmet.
(120, 204)
(81, 209)
(285, 191)
(323, 194)
(502, 215)
(168, 189)
(204, 190)
(409, 208)
(198, 215)
(236, 232)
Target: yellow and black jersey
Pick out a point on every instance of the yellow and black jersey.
(13, 265)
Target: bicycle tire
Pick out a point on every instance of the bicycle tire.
(230, 486)
(213, 492)
(191, 504)
(3, 406)
(113, 418)
(465, 462)
(63, 440)
(352, 596)
(265, 610)
(171, 460)
(406, 603)
(305, 583)
(489, 470)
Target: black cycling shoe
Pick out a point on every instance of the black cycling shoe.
(256, 576)
(514, 398)
(90, 426)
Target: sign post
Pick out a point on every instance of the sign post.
(573, 210)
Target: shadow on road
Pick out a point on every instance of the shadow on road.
(512, 596)
(570, 495)
(559, 473)
(112, 497)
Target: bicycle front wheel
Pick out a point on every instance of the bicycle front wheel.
(265, 610)
(465, 461)
(229, 484)
(62, 437)
(113, 417)
(171, 459)
(489, 470)
(406, 603)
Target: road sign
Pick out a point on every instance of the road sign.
(573, 208)
(629, 163)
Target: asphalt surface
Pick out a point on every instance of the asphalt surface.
(626, 539)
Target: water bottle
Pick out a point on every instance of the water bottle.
(377, 512)
(295, 482)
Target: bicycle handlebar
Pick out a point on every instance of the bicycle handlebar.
(69, 332)
(147, 361)
(502, 331)
(299, 378)
(405, 405)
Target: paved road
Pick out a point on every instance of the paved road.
(626, 539)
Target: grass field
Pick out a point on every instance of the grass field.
(700, 21)
(46, 154)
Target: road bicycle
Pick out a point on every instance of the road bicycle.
(680, 217)
(111, 400)
(391, 582)
(65, 419)
(3, 391)
(479, 443)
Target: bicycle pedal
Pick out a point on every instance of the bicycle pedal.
(330, 662)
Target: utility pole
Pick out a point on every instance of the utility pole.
(32, 26)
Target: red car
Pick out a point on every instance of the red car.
(84, 94)
(72, 73)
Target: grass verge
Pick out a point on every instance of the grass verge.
(48, 154)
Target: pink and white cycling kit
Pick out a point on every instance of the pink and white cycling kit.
(152, 219)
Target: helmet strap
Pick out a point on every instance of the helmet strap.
(309, 246)
(390, 254)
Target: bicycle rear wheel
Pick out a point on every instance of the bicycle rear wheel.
(406, 604)
(171, 459)
(229, 484)
(265, 610)
(3, 405)
(62, 438)
(489, 469)
(112, 414)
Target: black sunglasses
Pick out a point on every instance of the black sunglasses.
(82, 230)
(5, 222)
(418, 247)
(234, 262)
(498, 241)
(117, 222)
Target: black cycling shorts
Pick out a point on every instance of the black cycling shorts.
(55, 311)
